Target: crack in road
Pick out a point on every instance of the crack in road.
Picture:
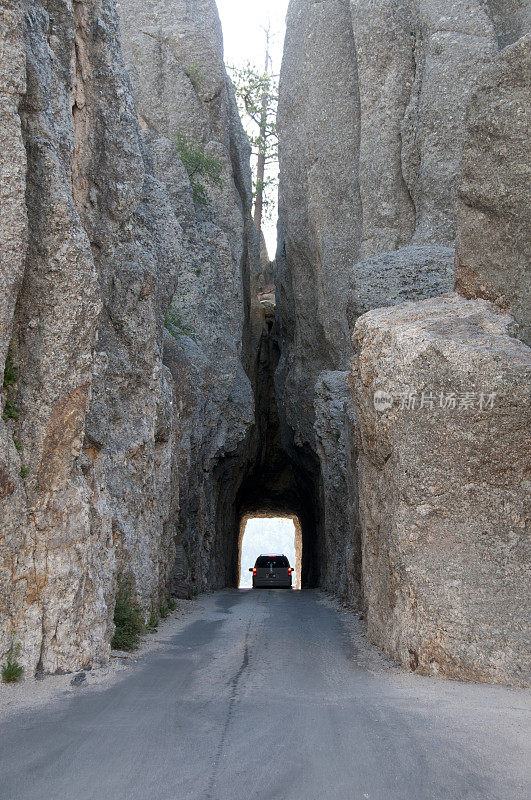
(230, 710)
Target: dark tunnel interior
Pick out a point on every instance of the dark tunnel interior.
(279, 480)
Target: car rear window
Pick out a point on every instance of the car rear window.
(264, 562)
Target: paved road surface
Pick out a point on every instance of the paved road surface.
(266, 697)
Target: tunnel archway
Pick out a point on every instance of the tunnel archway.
(271, 477)
(286, 493)
(264, 539)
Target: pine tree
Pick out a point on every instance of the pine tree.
(257, 97)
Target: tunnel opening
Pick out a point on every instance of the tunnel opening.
(270, 478)
(266, 534)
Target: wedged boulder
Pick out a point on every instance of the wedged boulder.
(443, 473)
(411, 273)
(493, 250)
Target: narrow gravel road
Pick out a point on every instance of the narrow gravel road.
(266, 695)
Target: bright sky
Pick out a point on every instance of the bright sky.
(268, 536)
(243, 36)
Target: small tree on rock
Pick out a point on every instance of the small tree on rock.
(257, 98)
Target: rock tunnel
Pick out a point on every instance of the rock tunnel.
(152, 398)
(269, 476)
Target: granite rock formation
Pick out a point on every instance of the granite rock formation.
(175, 59)
(410, 273)
(494, 243)
(53, 589)
(159, 388)
(444, 486)
(384, 86)
(113, 421)
(430, 95)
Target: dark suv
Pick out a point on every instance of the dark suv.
(271, 572)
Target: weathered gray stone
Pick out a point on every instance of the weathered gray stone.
(415, 63)
(114, 238)
(442, 491)
(511, 19)
(405, 71)
(335, 425)
(55, 600)
(411, 273)
(453, 41)
(13, 245)
(13, 221)
(319, 200)
(181, 88)
(371, 124)
(494, 243)
(384, 55)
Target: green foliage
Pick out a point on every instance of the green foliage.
(10, 379)
(252, 88)
(127, 618)
(257, 98)
(17, 443)
(195, 75)
(153, 623)
(10, 411)
(198, 163)
(24, 472)
(10, 371)
(166, 607)
(12, 671)
(175, 325)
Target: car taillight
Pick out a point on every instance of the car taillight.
(254, 570)
(290, 570)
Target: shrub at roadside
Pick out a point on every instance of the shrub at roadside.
(127, 618)
(166, 607)
(12, 671)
